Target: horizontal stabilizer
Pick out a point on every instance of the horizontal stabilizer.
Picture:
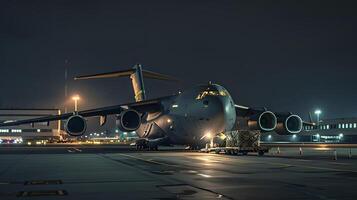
(158, 76)
(123, 73)
(115, 74)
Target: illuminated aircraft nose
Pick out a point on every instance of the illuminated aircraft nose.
(221, 113)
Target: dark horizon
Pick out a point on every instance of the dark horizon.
(289, 56)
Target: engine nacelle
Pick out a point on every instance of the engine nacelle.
(288, 125)
(264, 121)
(76, 125)
(129, 120)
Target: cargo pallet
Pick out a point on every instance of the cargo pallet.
(240, 142)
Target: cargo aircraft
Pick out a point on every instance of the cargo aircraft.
(185, 118)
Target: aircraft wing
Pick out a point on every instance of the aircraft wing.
(141, 107)
(308, 123)
(246, 111)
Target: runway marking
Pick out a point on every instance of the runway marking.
(336, 163)
(303, 160)
(43, 182)
(73, 150)
(208, 160)
(150, 161)
(76, 149)
(205, 175)
(271, 163)
(312, 167)
(38, 193)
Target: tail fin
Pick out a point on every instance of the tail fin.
(136, 75)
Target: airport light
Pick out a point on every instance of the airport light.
(168, 120)
(76, 98)
(340, 135)
(222, 136)
(294, 136)
(317, 113)
(269, 137)
(208, 135)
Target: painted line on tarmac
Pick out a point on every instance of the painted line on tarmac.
(73, 150)
(76, 149)
(170, 165)
(149, 160)
(313, 167)
(303, 160)
(271, 163)
(337, 163)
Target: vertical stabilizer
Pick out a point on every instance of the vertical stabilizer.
(138, 83)
(136, 75)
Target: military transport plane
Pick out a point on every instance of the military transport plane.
(185, 118)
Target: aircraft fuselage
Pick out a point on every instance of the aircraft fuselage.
(188, 117)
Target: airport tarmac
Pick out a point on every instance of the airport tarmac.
(82, 172)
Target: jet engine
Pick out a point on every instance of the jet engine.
(129, 120)
(289, 124)
(264, 121)
(76, 125)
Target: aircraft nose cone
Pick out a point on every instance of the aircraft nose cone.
(221, 113)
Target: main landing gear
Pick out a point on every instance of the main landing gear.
(145, 145)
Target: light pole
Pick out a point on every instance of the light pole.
(76, 98)
(318, 112)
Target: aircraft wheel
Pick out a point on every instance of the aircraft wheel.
(140, 147)
(153, 148)
(235, 152)
(261, 153)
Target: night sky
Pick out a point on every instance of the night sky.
(287, 56)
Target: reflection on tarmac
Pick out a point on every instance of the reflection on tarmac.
(80, 172)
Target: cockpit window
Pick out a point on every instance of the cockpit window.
(211, 92)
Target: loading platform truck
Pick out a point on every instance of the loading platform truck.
(239, 142)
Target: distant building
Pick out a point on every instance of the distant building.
(340, 130)
(39, 131)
